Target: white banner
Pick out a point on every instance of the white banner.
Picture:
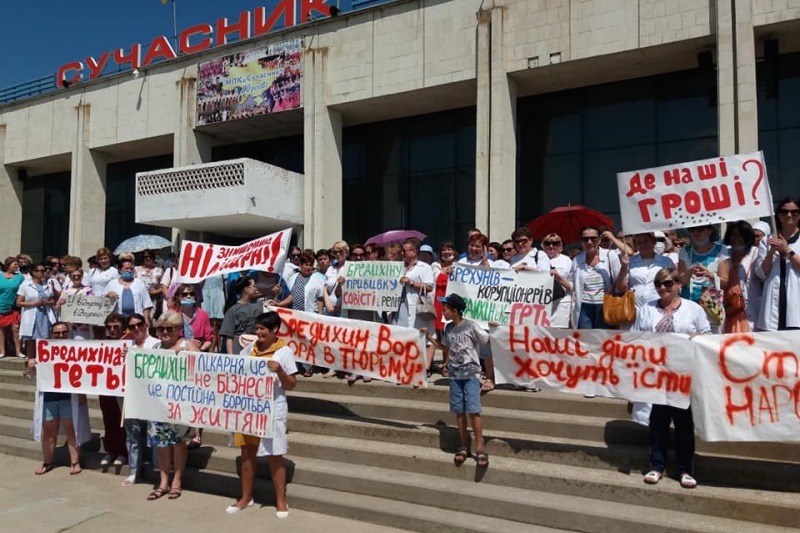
(696, 193)
(503, 296)
(83, 309)
(203, 390)
(747, 387)
(636, 366)
(88, 367)
(372, 285)
(199, 260)
(370, 349)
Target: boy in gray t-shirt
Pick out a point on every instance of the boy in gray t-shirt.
(464, 338)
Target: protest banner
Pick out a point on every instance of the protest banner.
(83, 309)
(202, 390)
(88, 367)
(369, 349)
(636, 366)
(199, 260)
(747, 386)
(372, 285)
(503, 296)
(709, 191)
(250, 83)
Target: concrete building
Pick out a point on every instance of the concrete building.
(437, 115)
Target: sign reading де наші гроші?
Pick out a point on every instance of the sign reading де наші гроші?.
(697, 193)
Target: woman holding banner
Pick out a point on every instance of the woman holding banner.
(281, 362)
(170, 439)
(778, 264)
(417, 279)
(671, 314)
(74, 285)
(64, 412)
(560, 266)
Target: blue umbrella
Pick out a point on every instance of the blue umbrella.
(141, 243)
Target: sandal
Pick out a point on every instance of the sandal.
(653, 477)
(461, 456)
(482, 458)
(73, 467)
(688, 482)
(487, 386)
(174, 493)
(45, 468)
(158, 493)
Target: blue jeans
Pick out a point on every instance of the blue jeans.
(660, 418)
(134, 442)
(591, 317)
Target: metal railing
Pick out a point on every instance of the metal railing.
(26, 90)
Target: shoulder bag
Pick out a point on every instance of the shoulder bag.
(618, 310)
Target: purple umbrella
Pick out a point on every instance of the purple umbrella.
(395, 237)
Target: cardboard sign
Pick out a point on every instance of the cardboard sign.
(747, 386)
(372, 285)
(636, 366)
(204, 390)
(503, 296)
(199, 260)
(697, 193)
(88, 367)
(82, 309)
(370, 349)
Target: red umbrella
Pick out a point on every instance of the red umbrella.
(567, 222)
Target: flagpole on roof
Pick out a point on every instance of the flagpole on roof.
(175, 24)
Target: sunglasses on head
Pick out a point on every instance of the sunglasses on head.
(667, 283)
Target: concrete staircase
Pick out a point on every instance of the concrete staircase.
(381, 453)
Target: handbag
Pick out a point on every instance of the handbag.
(618, 310)
(425, 307)
(733, 300)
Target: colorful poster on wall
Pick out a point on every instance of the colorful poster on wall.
(697, 193)
(247, 84)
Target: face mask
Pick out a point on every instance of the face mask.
(127, 276)
(700, 242)
(660, 247)
(188, 302)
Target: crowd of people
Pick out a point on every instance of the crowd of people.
(756, 272)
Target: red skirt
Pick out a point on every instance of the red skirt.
(9, 319)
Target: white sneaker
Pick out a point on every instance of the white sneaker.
(106, 460)
(22, 355)
(119, 461)
(233, 509)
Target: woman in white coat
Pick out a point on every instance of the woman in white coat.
(65, 413)
(778, 264)
(36, 300)
(594, 273)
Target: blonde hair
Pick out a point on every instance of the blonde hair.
(102, 251)
(126, 256)
(170, 318)
(341, 245)
(553, 237)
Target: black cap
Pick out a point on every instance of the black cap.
(454, 301)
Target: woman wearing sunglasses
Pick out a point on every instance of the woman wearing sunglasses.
(170, 439)
(778, 264)
(671, 314)
(594, 273)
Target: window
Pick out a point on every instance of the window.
(45, 215)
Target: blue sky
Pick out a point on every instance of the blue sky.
(41, 35)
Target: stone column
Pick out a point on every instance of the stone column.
(503, 154)
(87, 195)
(10, 203)
(726, 78)
(190, 147)
(747, 90)
(483, 128)
(322, 156)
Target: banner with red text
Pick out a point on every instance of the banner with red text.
(200, 260)
(636, 366)
(88, 367)
(709, 191)
(503, 296)
(201, 390)
(369, 349)
(747, 387)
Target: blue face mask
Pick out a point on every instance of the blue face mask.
(127, 276)
(700, 242)
(187, 302)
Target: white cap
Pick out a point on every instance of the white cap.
(426, 248)
(763, 227)
(659, 235)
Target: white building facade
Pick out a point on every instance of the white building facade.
(438, 115)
